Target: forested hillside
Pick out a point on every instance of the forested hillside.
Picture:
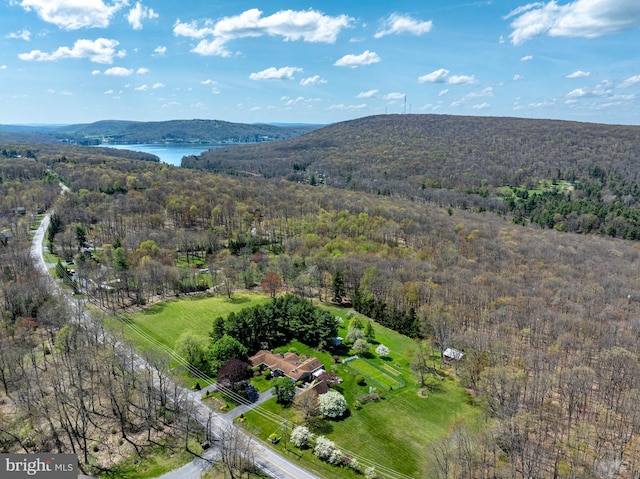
(570, 176)
(176, 131)
(549, 321)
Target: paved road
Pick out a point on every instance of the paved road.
(270, 462)
(195, 468)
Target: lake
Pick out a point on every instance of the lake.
(168, 153)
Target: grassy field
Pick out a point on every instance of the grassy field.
(165, 321)
(375, 374)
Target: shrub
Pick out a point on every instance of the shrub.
(323, 448)
(300, 436)
(370, 473)
(360, 346)
(336, 457)
(382, 351)
(332, 404)
(252, 393)
(361, 380)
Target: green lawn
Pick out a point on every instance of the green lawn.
(165, 321)
(396, 431)
(377, 375)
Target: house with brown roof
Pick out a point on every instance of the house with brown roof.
(288, 364)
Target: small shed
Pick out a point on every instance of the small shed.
(451, 354)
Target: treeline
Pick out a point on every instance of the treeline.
(285, 318)
(176, 131)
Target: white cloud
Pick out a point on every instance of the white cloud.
(488, 91)
(108, 92)
(96, 72)
(307, 25)
(142, 71)
(630, 81)
(462, 80)
(367, 94)
(438, 76)
(289, 102)
(485, 92)
(580, 18)
(355, 61)
(442, 76)
(191, 30)
(155, 86)
(74, 14)
(159, 51)
(601, 90)
(481, 106)
(208, 81)
(101, 50)
(517, 77)
(443, 92)
(579, 74)
(139, 13)
(3, 67)
(119, 72)
(397, 23)
(214, 47)
(273, 73)
(343, 107)
(394, 96)
(578, 92)
(526, 58)
(142, 88)
(22, 34)
(313, 81)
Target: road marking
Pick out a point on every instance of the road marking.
(288, 473)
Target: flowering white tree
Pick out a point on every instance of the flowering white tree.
(382, 351)
(332, 404)
(324, 448)
(336, 457)
(360, 346)
(370, 473)
(300, 436)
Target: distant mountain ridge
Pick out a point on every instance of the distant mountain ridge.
(570, 176)
(177, 131)
(446, 151)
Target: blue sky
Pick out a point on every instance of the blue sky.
(76, 61)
